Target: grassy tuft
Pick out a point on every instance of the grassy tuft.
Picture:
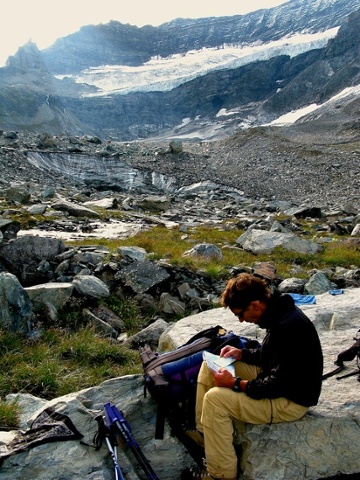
(171, 244)
(9, 414)
(61, 362)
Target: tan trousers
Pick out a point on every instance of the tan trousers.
(217, 408)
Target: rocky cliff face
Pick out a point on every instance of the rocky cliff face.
(30, 97)
(209, 106)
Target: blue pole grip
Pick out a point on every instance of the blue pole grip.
(110, 417)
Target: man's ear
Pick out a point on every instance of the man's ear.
(258, 306)
(255, 304)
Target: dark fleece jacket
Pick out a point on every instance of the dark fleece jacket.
(290, 356)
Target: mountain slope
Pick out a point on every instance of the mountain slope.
(253, 94)
(118, 44)
(30, 98)
(336, 67)
(204, 103)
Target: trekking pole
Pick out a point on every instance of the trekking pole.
(110, 440)
(115, 417)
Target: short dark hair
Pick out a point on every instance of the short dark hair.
(243, 289)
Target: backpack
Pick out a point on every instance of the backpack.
(347, 356)
(171, 377)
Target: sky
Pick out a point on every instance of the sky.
(43, 21)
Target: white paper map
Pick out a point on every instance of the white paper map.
(215, 362)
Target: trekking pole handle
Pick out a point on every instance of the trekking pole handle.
(115, 417)
(110, 417)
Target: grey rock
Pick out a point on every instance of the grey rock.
(171, 305)
(87, 257)
(74, 460)
(303, 212)
(356, 231)
(37, 209)
(46, 141)
(11, 135)
(349, 208)
(292, 285)
(205, 250)
(9, 229)
(100, 326)
(183, 290)
(260, 241)
(154, 203)
(135, 253)
(142, 276)
(63, 267)
(356, 219)
(49, 192)
(54, 294)
(318, 283)
(277, 227)
(24, 254)
(278, 206)
(107, 203)
(176, 146)
(74, 209)
(90, 286)
(16, 308)
(108, 316)
(149, 335)
(17, 194)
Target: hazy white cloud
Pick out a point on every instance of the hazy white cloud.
(43, 21)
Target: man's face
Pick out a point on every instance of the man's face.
(251, 313)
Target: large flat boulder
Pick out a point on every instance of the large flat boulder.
(325, 442)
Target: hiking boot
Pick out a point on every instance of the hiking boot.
(198, 473)
(195, 473)
(196, 436)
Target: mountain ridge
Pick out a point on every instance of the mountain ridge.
(182, 35)
(211, 106)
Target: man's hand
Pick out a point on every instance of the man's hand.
(223, 378)
(230, 351)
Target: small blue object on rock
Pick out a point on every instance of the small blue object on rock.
(303, 299)
(336, 292)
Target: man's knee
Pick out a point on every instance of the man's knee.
(214, 408)
(216, 398)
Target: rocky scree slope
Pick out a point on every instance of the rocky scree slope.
(271, 163)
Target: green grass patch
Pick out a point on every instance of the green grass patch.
(128, 311)
(340, 254)
(61, 362)
(9, 414)
(171, 244)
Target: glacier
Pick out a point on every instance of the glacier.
(164, 74)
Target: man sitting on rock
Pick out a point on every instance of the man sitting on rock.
(277, 382)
